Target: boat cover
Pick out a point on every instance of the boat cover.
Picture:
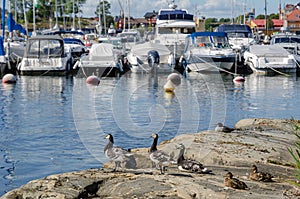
(271, 50)
(101, 52)
(144, 48)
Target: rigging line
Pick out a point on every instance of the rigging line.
(111, 68)
(281, 73)
(221, 69)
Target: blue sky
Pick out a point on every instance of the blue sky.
(207, 8)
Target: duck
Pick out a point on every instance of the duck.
(189, 165)
(259, 176)
(221, 128)
(159, 157)
(229, 181)
(117, 154)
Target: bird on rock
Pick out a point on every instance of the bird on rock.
(117, 154)
(189, 165)
(259, 176)
(229, 181)
(221, 128)
(160, 158)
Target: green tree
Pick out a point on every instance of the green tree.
(211, 23)
(261, 16)
(46, 9)
(274, 16)
(99, 9)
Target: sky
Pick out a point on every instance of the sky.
(207, 8)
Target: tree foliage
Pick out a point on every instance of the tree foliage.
(100, 10)
(45, 9)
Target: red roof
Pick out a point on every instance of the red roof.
(278, 22)
(261, 22)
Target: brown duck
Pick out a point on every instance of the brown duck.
(259, 176)
(229, 181)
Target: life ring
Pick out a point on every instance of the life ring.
(201, 44)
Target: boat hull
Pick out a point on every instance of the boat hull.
(210, 64)
(99, 72)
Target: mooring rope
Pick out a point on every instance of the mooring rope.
(281, 73)
(213, 65)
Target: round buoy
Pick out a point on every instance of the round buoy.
(9, 78)
(169, 86)
(94, 80)
(239, 79)
(174, 78)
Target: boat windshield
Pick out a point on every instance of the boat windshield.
(239, 34)
(175, 30)
(287, 40)
(220, 42)
(45, 48)
(203, 42)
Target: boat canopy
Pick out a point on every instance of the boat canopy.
(62, 32)
(45, 46)
(229, 28)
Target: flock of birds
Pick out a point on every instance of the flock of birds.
(162, 160)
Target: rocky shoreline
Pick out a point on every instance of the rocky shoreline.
(263, 142)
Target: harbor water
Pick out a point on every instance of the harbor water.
(52, 125)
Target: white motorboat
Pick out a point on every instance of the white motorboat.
(139, 54)
(240, 36)
(208, 52)
(45, 55)
(76, 47)
(289, 41)
(172, 27)
(269, 59)
(130, 37)
(102, 60)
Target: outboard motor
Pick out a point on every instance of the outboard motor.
(153, 58)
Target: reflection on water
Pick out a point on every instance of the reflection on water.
(57, 124)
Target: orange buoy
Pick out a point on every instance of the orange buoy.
(239, 79)
(93, 80)
(9, 79)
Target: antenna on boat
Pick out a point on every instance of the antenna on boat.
(172, 5)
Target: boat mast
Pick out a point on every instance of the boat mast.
(79, 23)
(232, 11)
(128, 1)
(266, 23)
(244, 11)
(104, 18)
(25, 18)
(3, 19)
(34, 27)
(56, 16)
(73, 26)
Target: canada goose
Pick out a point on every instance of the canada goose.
(117, 154)
(189, 165)
(160, 158)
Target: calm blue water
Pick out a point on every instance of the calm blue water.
(52, 125)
